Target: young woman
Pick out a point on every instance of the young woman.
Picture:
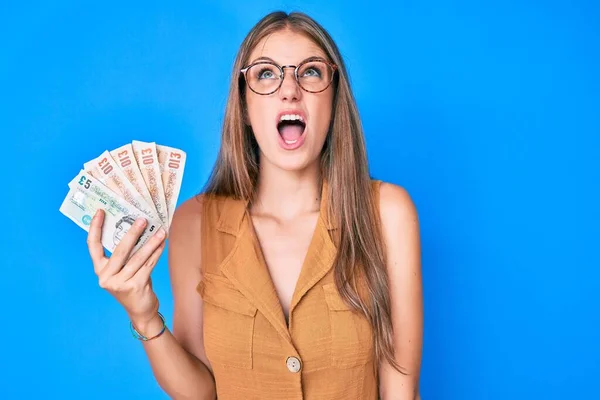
(295, 275)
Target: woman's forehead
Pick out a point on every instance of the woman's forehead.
(286, 47)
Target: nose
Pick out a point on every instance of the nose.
(289, 89)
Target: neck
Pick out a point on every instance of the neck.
(287, 194)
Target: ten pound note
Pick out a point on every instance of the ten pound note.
(172, 164)
(125, 158)
(87, 194)
(108, 172)
(147, 160)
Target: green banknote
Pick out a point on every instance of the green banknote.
(87, 194)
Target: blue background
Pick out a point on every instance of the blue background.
(487, 114)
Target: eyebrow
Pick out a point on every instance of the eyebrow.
(264, 58)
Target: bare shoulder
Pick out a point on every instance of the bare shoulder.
(184, 252)
(400, 230)
(187, 218)
(396, 205)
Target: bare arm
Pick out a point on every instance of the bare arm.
(401, 235)
(177, 360)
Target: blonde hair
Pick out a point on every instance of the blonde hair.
(359, 268)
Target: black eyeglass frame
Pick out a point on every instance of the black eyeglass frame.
(282, 68)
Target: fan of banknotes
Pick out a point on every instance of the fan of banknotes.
(138, 179)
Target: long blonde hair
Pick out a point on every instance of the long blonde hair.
(360, 259)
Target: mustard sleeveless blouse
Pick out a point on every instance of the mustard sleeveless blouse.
(326, 352)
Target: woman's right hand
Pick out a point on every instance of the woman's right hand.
(128, 280)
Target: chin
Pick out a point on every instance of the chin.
(293, 162)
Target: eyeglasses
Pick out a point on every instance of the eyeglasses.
(313, 75)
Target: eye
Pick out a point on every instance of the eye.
(266, 73)
(312, 71)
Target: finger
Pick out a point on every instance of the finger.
(121, 252)
(94, 243)
(143, 274)
(142, 255)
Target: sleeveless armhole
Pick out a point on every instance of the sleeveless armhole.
(205, 235)
(220, 223)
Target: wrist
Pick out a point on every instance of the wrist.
(148, 326)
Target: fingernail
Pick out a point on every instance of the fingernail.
(140, 222)
(161, 233)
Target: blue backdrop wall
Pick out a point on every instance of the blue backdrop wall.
(486, 112)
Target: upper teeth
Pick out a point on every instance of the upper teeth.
(291, 117)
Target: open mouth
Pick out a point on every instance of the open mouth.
(291, 127)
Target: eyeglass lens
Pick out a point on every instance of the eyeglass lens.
(313, 76)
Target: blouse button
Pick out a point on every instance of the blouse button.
(293, 364)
